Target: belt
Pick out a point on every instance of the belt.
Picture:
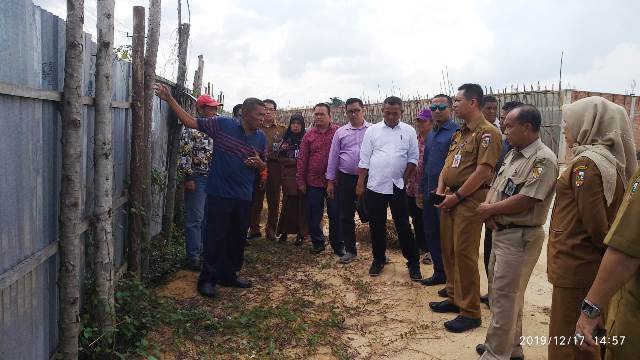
(501, 227)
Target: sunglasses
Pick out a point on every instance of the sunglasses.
(441, 107)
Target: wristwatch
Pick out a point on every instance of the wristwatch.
(590, 309)
(459, 196)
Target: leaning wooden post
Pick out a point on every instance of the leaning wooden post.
(197, 78)
(150, 60)
(176, 131)
(70, 186)
(136, 191)
(103, 178)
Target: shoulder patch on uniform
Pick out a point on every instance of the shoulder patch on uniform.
(485, 140)
(579, 172)
(635, 186)
(538, 168)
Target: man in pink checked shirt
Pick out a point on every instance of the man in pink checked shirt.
(311, 170)
(342, 173)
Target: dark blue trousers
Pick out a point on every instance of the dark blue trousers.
(223, 251)
(431, 220)
(316, 198)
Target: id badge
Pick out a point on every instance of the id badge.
(276, 146)
(509, 188)
(456, 160)
(295, 153)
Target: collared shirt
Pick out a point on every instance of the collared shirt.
(531, 172)
(314, 157)
(435, 152)
(229, 177)
(273, 134)
(345, 150)
(477, 142)
(386, 152)
(195, 152)
(412, 183)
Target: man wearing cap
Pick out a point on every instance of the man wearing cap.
(274, 133)
(239, 152)
(342, 173)
(423, 124)
(195, 151)
(435, 152)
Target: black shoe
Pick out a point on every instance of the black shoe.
(340, 252)
(237, 283)
(444, 306)
(481, 349)
(485, 300)
(414, 273)
(443, 293)
(193, 264)
(283, 238)
(207, 289)
(271, 237)
(299, 240)
(253, 236)
(434, 280)
(376, 268)
(462, 324)
(317, 249)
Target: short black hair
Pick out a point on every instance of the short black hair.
(353, 101)
(269, 101)
(393, 100)
(251, 103)
(510, 105)
(449, 100)
(529, 114)
(236, 110)
(323, 105)
(473, 91)
(488, 99)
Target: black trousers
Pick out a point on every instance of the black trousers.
(377, 207)
(223, 250)
(418, 224)
(347, 203)
(488, 241)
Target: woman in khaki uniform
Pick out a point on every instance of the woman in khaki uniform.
(619, 273)
(292, 214)
(588, 195)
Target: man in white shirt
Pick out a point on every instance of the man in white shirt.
(388, 157)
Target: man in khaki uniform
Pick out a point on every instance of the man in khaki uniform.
(463, 186)
(274, 133)
(619, 274)
(517, 206)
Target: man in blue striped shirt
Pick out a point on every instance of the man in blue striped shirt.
(239, 150)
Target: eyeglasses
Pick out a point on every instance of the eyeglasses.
(352, 112)
(441, 107)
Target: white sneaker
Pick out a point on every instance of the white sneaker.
(348, 257)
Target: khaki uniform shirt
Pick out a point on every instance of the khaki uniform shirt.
(624, 236)
(476, 143)
(579, 223)
(274, 134)
(531, 172)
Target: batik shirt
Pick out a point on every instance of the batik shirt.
(195, 152)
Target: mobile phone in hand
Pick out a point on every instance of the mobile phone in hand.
(435, 199)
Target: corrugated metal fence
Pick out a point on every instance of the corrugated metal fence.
(31, 79)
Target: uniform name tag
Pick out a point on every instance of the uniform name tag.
(456, 160)
(509, 188)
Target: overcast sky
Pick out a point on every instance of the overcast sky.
(303, 52)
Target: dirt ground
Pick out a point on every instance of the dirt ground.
(385, 317)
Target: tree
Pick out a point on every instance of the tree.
(69, 220)
(103, 179)
(336, 101)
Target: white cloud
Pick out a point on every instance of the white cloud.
(303, 52)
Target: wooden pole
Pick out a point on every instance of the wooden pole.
(150, 60)
(197, 78)
(136, 192)
(69, 220)
(175, 132)
(103, 177)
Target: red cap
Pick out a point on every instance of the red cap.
(206, 100)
